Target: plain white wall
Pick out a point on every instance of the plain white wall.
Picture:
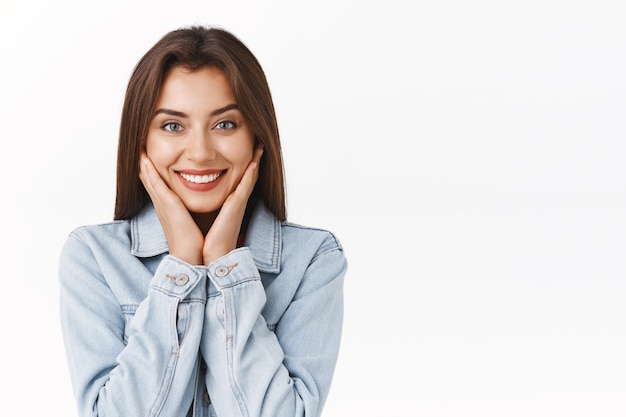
(470, 155)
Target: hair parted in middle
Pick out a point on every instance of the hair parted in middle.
(194, 48)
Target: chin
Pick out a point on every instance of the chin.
(202, 208)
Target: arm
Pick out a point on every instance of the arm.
(252, 371)
(154, 373)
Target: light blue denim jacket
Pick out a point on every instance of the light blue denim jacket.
(256, 333)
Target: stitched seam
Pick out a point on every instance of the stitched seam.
(315, 258)
(230, 327)
(238, 282)
(168, 376)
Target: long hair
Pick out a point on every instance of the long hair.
(194, 48)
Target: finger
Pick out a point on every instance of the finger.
(258, 153)
(152, 181)
(250, 175)
(147, 172)
(145, 166)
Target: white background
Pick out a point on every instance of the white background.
(469, 154)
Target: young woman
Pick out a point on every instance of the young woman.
(200, 299)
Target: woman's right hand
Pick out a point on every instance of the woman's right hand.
(184, 238)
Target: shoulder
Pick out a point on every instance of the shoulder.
(312, 247)
(97, 241)
(99, 256)
(318, 239)
(277, 244)
(116, 231)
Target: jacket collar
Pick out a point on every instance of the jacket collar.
(264, 238)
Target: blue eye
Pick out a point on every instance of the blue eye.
(172, 127)
(226, 125)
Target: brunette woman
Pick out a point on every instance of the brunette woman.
(200, 299)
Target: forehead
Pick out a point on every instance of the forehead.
(205, 86)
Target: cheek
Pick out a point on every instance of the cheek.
(159, 154)
(151, 148)
(239, 152)
(244, 157)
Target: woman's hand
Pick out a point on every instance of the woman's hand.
(185, 240)
(223, 234)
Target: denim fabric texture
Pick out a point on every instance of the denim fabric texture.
(256, 333)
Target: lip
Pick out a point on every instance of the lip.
(201, 187)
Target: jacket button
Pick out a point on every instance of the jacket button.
(181, 280)
(222, 271)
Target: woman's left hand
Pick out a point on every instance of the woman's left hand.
(223, 234)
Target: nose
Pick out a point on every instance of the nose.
(200, 148)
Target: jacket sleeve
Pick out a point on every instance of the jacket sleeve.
(150, 374)
(253, 371)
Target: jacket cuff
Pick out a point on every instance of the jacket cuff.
(176, 278)
(234, 268)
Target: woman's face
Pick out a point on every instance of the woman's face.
(198, 140)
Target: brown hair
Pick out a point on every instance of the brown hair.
(194, 48)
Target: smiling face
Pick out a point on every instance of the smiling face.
(198, 140)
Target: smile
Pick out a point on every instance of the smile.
(201, 179)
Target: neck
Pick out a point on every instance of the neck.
(204, 221)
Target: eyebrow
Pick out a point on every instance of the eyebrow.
(224, 109)
(184, 115)
(170, 112)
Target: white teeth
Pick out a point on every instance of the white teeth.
(201, 179)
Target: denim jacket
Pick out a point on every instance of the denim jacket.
(256, 333)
